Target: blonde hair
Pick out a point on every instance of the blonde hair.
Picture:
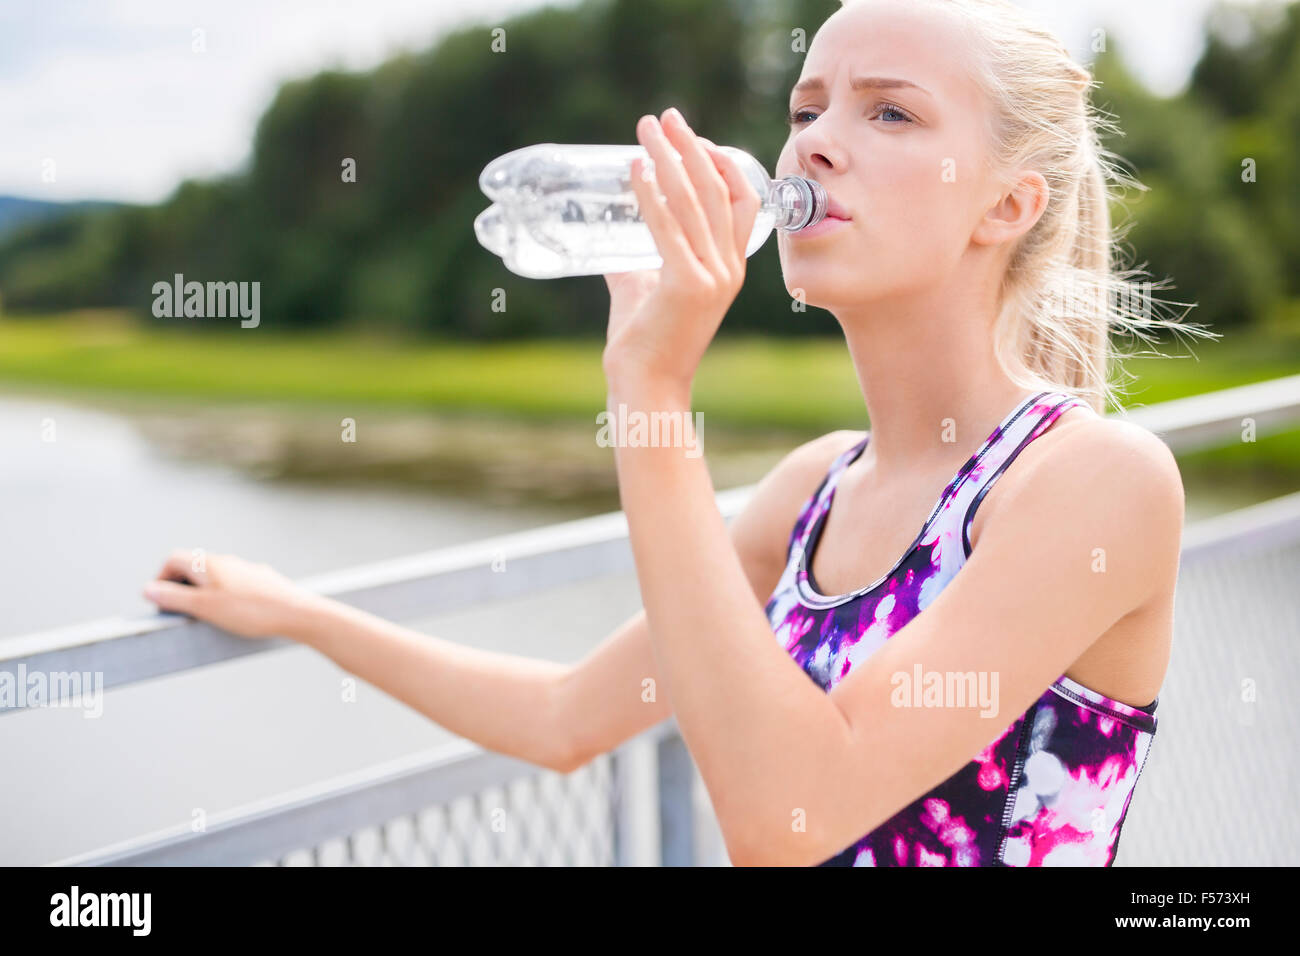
(1065, 289)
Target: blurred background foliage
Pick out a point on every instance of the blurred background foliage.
(395, 251)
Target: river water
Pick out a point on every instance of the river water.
(92, 507)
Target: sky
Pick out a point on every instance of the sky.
(113, 99)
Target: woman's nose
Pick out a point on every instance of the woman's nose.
(815, 151)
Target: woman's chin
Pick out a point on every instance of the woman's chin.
(819, 288)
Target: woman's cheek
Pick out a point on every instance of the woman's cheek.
(925, 213)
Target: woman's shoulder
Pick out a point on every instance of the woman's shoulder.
(762, 528)
(1137, 458)
(1111, 492)
(1120, 479)
(801, 471)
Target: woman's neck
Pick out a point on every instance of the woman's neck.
(931, 382)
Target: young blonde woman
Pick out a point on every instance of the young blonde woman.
(982, 691)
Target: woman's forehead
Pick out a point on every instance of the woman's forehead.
(915, 41)
(906, 39)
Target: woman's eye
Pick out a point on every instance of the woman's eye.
(794, 117)
(886, 108)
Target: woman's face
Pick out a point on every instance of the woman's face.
(906, 162)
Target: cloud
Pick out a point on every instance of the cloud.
(116, 94)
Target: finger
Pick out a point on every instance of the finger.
(672, 181)
(710, 187)
(170, 596)
(745, 201)
(182, 565)
(664, 227)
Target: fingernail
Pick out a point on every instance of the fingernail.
(676, 114)
(152, 591)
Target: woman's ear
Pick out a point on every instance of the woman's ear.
(1015, 213)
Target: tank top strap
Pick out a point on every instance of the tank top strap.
(1011, 438)
(820, 499)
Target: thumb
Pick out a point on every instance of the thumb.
(170, 596)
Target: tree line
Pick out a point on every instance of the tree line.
(355, 207)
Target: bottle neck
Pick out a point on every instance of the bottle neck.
(797, 203)
(793, 202)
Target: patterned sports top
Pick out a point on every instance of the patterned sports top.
(1050, 789)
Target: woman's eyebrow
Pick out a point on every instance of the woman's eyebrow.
(857, 84)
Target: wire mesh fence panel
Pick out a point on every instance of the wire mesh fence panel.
(1220, 777)
(543, 819)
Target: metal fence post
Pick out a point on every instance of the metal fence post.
(676, 809)
(636, 822)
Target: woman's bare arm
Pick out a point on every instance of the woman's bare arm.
(554, 715)
(502, 702)
(616, 692)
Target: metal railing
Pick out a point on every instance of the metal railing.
(643, 803)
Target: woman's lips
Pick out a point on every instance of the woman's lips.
(836, 216)
(835, 211)
(829, 224)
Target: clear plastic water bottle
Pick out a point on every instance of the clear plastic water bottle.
(569, 210)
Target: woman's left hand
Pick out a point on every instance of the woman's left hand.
(700, 210)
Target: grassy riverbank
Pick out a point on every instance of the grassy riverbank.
(800, 384)
(503, 416)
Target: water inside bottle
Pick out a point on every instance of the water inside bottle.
(577, 235)
(570, 210)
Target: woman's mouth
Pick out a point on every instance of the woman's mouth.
(835, 211)
(829, 224)
(836, 217)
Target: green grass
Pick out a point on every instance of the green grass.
(805, 385)
(109, 353)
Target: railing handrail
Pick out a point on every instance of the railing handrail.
(1212, 419)
(127, 650)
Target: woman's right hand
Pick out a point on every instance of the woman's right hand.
(251, 600)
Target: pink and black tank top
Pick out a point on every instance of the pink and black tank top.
(1050, 789)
